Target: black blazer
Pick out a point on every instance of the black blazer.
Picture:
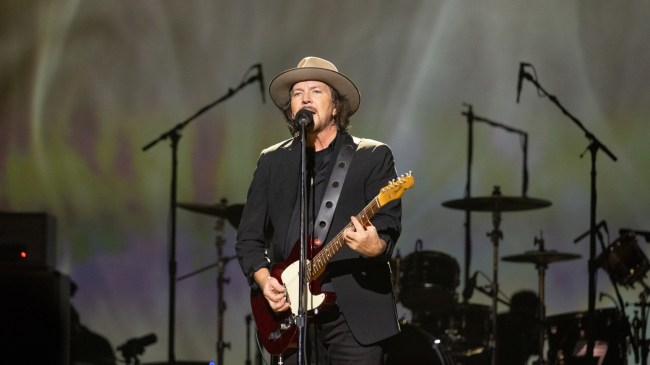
(362, 285)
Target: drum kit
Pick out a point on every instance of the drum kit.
(426, 283)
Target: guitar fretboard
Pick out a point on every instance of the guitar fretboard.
(317, 265)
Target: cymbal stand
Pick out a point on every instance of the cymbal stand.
(495, 236)
(220, 264)
(642, 324)
(541, 274)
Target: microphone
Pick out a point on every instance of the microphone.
(469, 287)
(304, 117)
(520, 78)
(136, 346)
(260, 77)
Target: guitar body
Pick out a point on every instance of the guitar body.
(277, 331)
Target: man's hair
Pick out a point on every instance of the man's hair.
(342, 117)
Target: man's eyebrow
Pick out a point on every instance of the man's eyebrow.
(309, 88)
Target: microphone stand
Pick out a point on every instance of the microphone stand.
(468, 194)
(301, 321)
(593, 147)
(174, 136)
(248, 340)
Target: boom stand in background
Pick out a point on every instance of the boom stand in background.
(594, 146)
(174, 136)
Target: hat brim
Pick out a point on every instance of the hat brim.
(282, 84)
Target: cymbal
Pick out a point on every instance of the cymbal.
(496, 203)
(541, 257)
(231, 212)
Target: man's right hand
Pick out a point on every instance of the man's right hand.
(274, 292)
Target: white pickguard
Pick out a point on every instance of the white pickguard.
(291, 281)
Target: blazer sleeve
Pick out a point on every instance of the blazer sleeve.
(251, 244)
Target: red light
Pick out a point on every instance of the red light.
(23, 254)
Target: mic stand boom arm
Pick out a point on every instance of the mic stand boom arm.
(174, 136)
(594, 146)
(492, 123)
(176, 129)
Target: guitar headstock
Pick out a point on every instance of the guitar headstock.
(395, 189)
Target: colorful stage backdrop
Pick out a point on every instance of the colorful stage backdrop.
(85, 85)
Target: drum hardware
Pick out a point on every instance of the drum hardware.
(639, 325)
(567, 336)
(628, 231)
(463, 330)
(496, 204)
(624, 261)
(626, 265)
(232, 213)
(428, 280)
(223, 212)
(541, 258)
(416, 346)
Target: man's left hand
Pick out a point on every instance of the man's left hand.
(364, 239)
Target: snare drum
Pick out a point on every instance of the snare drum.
(624, 261)
(428, 281)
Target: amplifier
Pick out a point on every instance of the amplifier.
(28, 239)
(35, 322)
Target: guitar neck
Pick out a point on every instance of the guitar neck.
(317, 264)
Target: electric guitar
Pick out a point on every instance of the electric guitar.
(278, 331)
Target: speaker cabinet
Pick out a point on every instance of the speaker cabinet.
(28, 239)
(34, 316)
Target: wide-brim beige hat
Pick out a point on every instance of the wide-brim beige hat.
(314, 68)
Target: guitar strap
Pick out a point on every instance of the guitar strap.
(333, 191)
(328, 204)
